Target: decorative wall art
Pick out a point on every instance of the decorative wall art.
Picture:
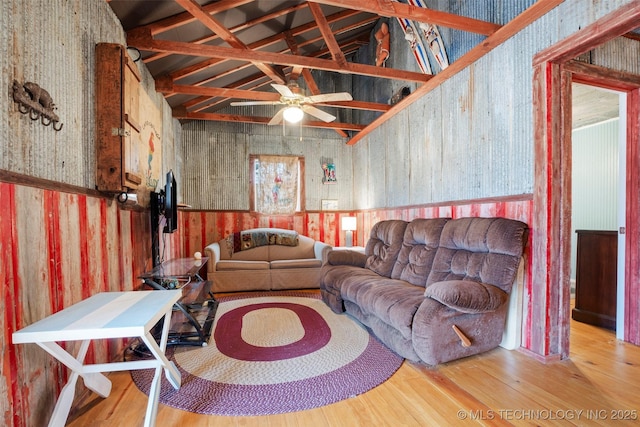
(37, 103)
(329, 176)
(276, 184)
(329, 204)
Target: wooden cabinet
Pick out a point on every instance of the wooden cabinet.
(596, 278)
(117, 123)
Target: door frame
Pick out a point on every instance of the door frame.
(548, 316)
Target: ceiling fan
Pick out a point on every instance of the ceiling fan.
(296, 103)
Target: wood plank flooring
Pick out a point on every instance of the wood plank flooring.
(599, 385)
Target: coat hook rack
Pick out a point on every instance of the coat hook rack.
(37, 103)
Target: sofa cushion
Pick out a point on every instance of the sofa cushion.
(392, 301)
(486, 250)
(249, 239)
(260, 253)
(241, 265)
(383, 245)
(296, 263)
(303, 250)
(421, 239)
(347, 257)
(467, 296)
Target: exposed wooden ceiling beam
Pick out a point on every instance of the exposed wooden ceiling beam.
(144, 41)
(236, 28)
(534, 12)
(327, 34)
(164, 85)
(394, 9)
(348, 45)
(311, 82)
(358, 105)
(632, 36)
(261, 44)
(223, 32)
(184, 115)
(251, 82)
(184, 18)
(293, 47)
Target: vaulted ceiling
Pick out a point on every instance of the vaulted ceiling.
(205, 54)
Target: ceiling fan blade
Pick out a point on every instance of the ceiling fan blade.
(283, 90)
(328, 97)
(241, 103)
(316, 112)
(277, 119)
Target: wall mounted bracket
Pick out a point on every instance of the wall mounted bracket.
(36, 102)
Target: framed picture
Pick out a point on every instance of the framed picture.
(329, 204)
(329, 173)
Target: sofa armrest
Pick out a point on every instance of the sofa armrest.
(467, 296)
(321, 251)
(347, 257)
(213, 252)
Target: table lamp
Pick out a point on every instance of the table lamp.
(349, 224)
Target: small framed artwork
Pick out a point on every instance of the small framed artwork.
(329, 204)
(329, 173)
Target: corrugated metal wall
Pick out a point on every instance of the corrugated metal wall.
(620, 54)
(475, 133)
(595, 180)
(40, 51)
(56, 51)
(217, 157)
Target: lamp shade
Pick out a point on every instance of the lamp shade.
(293, 114)
(349, 223)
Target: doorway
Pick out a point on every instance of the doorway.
(598, 147)
(555, 69)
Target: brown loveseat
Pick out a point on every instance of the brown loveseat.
(265, 259)
(433, 290)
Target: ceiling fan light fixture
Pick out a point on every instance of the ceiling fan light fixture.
(293, 114)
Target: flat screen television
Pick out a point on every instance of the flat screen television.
(170, 206)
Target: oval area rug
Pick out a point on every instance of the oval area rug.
(272, 353)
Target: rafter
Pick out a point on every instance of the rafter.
(184, 18)
(211, 23)
(144, 41)
(348, 46)
(393, 9)
(234, 29)
(266, 42)
(534, 12)
(311, 83)
(166, 86)
(184, 115)
(327, 34)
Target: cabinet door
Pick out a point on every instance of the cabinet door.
(131, 161)
(596, 278)
(117, 128)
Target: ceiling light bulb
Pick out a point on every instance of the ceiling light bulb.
(293, 114)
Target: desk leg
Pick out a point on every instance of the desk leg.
(94, 381)
(171, 371)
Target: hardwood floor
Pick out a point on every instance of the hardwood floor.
(597, 386)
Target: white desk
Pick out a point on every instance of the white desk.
(102, 316)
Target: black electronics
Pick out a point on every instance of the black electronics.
(170, 208)
(163, 204)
